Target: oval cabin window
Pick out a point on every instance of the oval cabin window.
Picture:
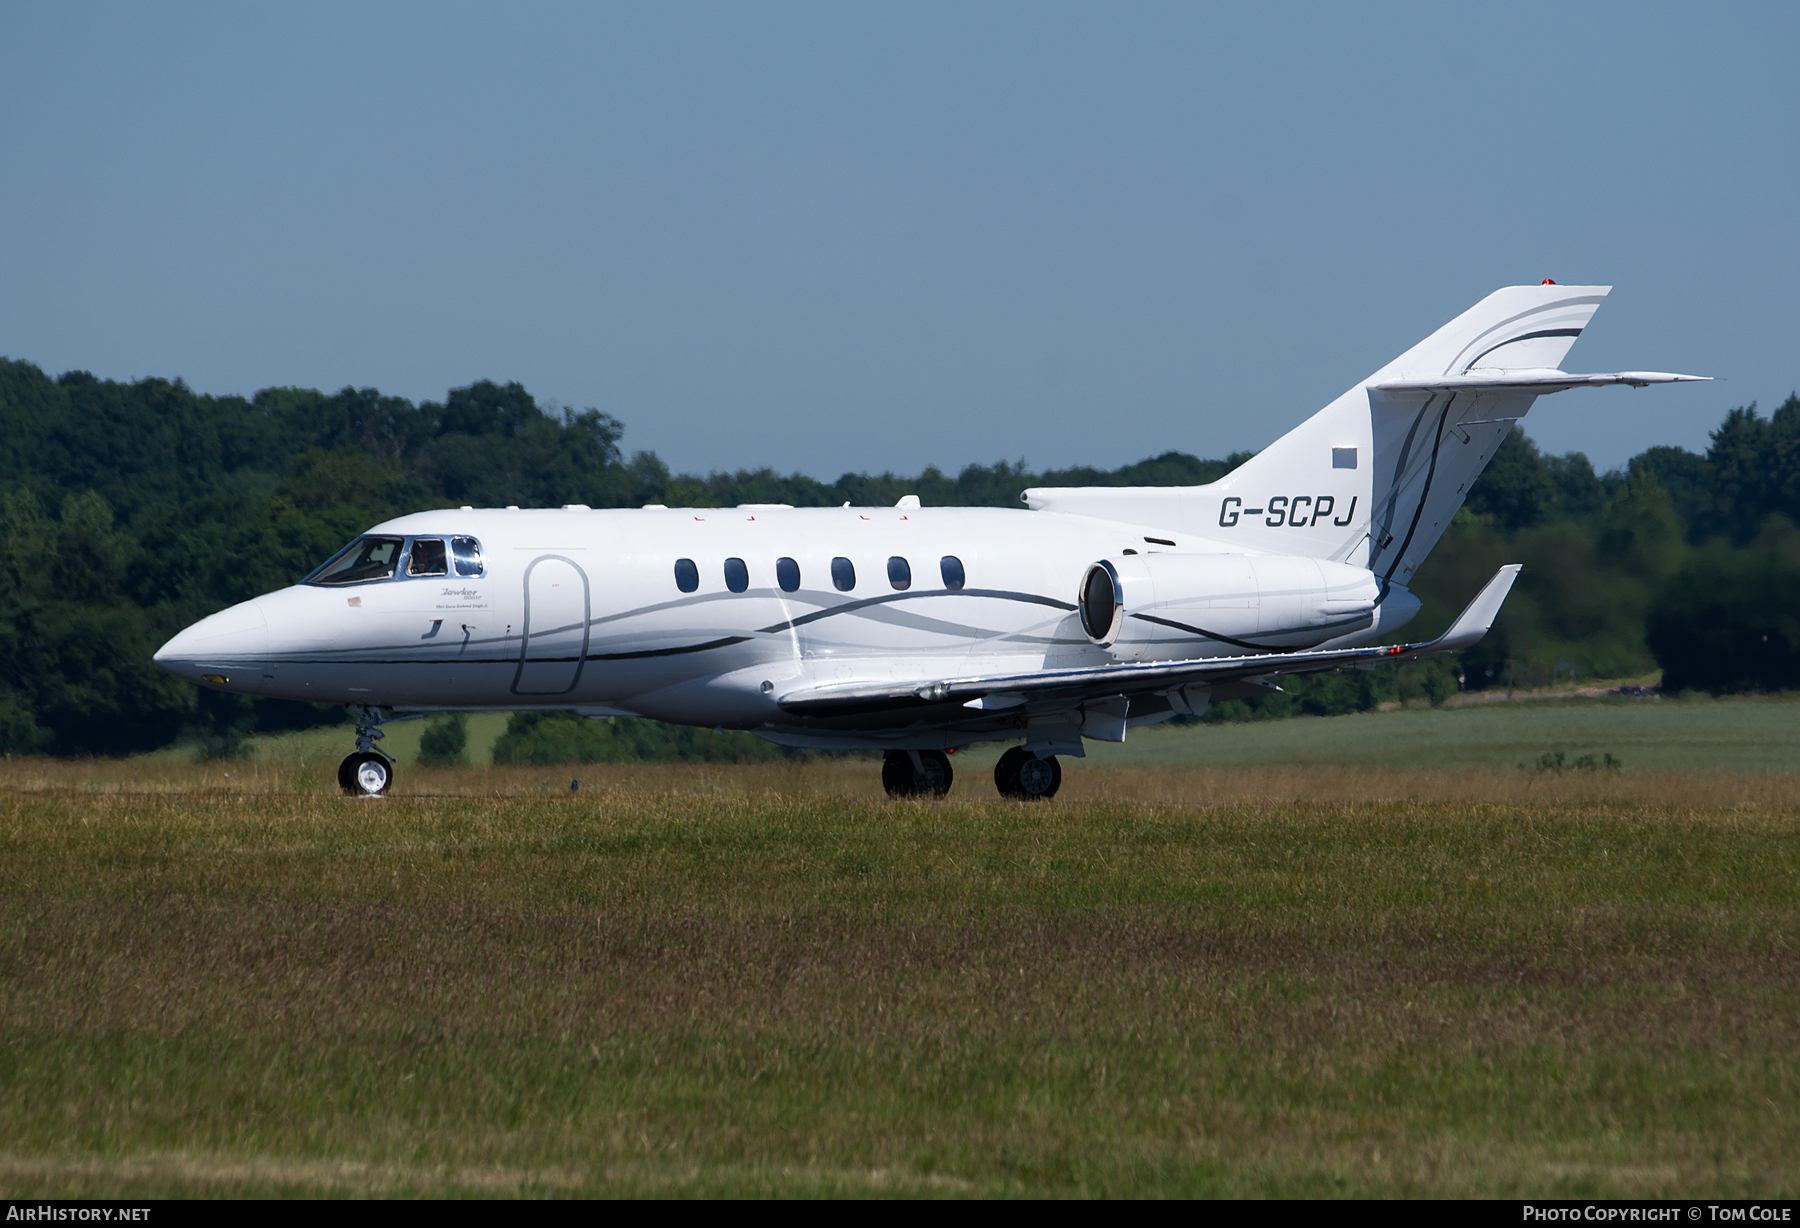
(687, 576)
(787, 574)
(899, 573)
(843, 575)
(952, 570)
(737, 576)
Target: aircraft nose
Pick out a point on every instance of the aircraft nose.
(239, 632)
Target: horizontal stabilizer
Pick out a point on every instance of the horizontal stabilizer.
(1539, 381)
(1050, 689)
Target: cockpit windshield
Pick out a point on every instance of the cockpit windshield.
(366, 558)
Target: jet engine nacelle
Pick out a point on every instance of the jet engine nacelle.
(1158, 606)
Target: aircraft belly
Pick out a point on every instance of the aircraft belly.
(410, 684)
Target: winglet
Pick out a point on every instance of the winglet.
(1473, 622)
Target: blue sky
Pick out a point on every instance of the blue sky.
(860, 237)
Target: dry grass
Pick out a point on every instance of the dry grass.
(770, 980)
(859, 779)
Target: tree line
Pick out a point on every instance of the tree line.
(129, 510)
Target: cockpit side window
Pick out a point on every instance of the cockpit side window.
(428, 558)
(468, 556)
(365, 559)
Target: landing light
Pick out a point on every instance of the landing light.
(215, 679)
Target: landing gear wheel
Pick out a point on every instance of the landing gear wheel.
(365, 774)
(1006, 772)
(1022, 775)
(916, 773)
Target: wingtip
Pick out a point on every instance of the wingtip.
(1478, 617)
(1640, 379)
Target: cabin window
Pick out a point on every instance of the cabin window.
(899, 573)
(787, 574)
(428, 557)
(468, 556)
(843, 575)
(687, 576)
(365, 559)
(952, 569)
(737, 576)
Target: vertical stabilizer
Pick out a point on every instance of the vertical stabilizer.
(1373, 478)
(1390, 468)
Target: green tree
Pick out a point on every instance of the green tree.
(1642, 533)
(1516, 489)
(445, 742)
(559, 737)
(1729, 619)
(1739, 472)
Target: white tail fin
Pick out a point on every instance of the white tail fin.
(1374, 478)
(1393, 466)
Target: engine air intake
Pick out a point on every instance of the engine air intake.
(1102, 603)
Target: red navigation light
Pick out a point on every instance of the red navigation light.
(1547, 282)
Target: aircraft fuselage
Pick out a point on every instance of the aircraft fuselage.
(585, 610)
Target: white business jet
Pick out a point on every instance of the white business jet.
(919, 631)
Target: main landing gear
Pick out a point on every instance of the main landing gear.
(926, 773)
(1022, 775)
(366, 772)
(916, 773)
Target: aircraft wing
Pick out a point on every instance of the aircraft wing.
(1066, 687)
(1539, 381)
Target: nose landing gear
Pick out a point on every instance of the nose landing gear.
(1025, 777)
(366, 772)
(916, 773)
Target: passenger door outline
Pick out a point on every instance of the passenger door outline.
(587, 616)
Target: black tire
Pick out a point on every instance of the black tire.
(1039, 778)
(1006, 772)
(932, 776)
(367, 774)
(938, 776)
(897, 774)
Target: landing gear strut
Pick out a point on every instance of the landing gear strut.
(366, 772)
(1024, 776)
(916, 773)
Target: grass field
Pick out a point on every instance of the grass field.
(1745, 734)
(686, 981)
(1750, 734)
